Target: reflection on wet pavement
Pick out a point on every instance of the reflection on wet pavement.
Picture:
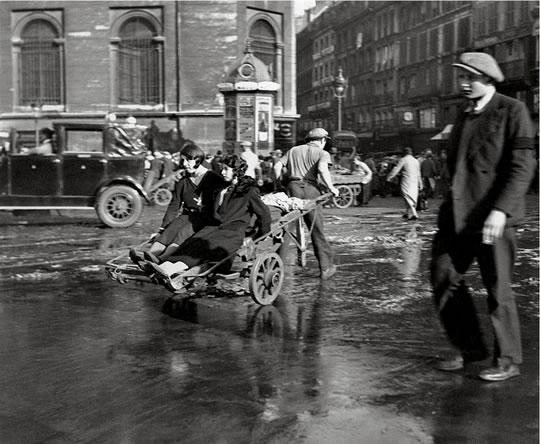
(345, 361)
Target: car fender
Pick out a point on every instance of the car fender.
(124, 180)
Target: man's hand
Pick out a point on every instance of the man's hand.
(493, 227)
(334, 190)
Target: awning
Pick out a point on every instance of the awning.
(443, 135)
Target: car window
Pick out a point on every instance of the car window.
(83, 141)
(22, 141)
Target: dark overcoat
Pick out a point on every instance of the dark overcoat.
(232, 219)
(497, 166)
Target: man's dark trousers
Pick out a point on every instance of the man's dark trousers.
(452, 256)
(321, 247)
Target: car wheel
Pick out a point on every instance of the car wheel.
(162, 197)
(119, 206)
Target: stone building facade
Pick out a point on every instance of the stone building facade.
(154, 60)
(397, 59)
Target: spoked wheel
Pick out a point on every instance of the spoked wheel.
(266, 278)
(162, 197)
(302, 244)
(345, 197)
(119, 206)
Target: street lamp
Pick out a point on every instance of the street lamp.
(340, 85)
(37, 114)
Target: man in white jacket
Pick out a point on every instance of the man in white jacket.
(360, 168)
(410, 181)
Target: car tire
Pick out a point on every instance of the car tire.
(119, 206)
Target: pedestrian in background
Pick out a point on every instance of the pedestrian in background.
(361, 169)
(276, 156)
(305, 164)
(216, 163)
(443, 181)
(410, 182)
(491, 163)
(370, 162)
(253, 162)
(383, 169)
(428, 170)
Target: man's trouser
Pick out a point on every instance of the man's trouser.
(321, 247)
(452, 255)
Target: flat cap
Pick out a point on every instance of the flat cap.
(317, 133)
(480, 63)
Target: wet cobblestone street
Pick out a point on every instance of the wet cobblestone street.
(349, 360)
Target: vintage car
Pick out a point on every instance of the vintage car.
(92, 165)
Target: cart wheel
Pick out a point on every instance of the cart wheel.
(162, 197)
(266, 278)
(302, 244)
(345, 198)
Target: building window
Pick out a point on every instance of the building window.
(464, 33)
(448, 34)
(263, 42)
(509, 14)
(481, 17)
(524, 11)
(412, 82)
(433, 42)
(139, 63)
(414, 49)
(427, 118)
(40, 73)
(492, 23)
(423, 46)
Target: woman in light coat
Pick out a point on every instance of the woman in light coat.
(410, 182)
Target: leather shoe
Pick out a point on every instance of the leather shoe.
(329, 272)
(500, 372)
(450, 364)
(136, 256)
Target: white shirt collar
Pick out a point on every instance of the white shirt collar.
(484, 100)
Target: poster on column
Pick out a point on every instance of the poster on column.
(246, 118)
(230, 118)
(264, 121)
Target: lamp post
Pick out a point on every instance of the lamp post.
(37, 110)
(340, 85)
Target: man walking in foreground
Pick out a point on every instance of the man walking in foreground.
(491, 163)
(305, 163)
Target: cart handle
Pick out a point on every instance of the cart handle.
(323, 197)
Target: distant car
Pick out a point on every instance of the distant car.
(92, 165)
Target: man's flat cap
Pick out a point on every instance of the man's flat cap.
(317, 133)
(480, 63)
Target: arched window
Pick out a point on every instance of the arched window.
(138, 63)
(263, 42)
(40, 71)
